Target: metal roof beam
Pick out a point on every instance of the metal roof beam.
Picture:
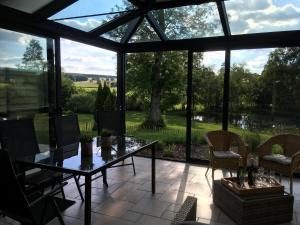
(52, 8)
(116, 22)
(20, 21)
(180, 3)
(154, 24)
(132, 27)
(137, 3)
(223, 17)
(233, 42)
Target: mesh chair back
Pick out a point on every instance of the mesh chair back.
(18, 137)
(109, 121)
(67, 130)
(13, 202)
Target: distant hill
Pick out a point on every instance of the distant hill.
(85, 77)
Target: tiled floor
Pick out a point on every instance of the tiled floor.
(128, 199)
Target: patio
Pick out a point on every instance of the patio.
(34, 87)
(128, 199)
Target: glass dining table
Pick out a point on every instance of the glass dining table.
(70, 160)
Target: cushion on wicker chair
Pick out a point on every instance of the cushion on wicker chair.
(225, 154)
(282, 159)
(191, 223)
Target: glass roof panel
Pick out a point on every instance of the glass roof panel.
(86, 23)
(28, 6)
(90, 7)
(116, 34)
(187, 22)
(258, 16)
(144, 33)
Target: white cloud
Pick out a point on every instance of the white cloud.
(254, 16)
(85, 24)
(80, 58)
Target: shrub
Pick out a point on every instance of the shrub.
(168, 152)
(160, 146)
(81, 103)
(277, 149)
(252, 139)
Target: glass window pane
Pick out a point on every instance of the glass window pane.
(87, 23)
(116, 34)
(264, 93)
(144, 33)
(89, 7)
(263, 16)
(190, 21)
(28, 6)
(157, 112)
(24, 76)
(85, 68)
(207, 99)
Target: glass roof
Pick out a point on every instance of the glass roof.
(186, 22)
(116, 34)
(190, 21)
(144, 33)
(86, 23)
(91, 7)
(258, 16)
(28, 6)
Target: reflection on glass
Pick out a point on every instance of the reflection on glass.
(186, 22)
(90, 7)
(74, 160)
(87, 23)
(24, 80)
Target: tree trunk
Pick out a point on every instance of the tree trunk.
(154, 119)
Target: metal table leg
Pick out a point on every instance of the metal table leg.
(88, 200)
(153, 168)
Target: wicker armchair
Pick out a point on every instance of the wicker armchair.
(221, 157)
(284, 164)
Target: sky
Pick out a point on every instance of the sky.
(251, 16)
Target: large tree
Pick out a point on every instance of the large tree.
(280, 82)
(33, 56)
(161, 75)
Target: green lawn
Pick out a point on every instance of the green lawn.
(175, 131)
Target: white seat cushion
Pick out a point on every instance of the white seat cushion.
(225, 154)
(282, 159)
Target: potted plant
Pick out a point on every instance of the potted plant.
(106, 141)
(86, 140)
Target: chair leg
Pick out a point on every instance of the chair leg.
(78, 187)
(291, 184)
(280, 178)
(61, 220)
(213, 174)
(207, 169)
(230, 173)
(133, 166)
(62, 191)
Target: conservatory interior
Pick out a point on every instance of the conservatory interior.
(194, 117)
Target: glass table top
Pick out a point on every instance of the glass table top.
(70, 156)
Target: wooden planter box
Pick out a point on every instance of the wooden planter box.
(265, 209)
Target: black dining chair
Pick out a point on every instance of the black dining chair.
(67, 135)
(111, 120)
(19, 139)
(34, 209)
